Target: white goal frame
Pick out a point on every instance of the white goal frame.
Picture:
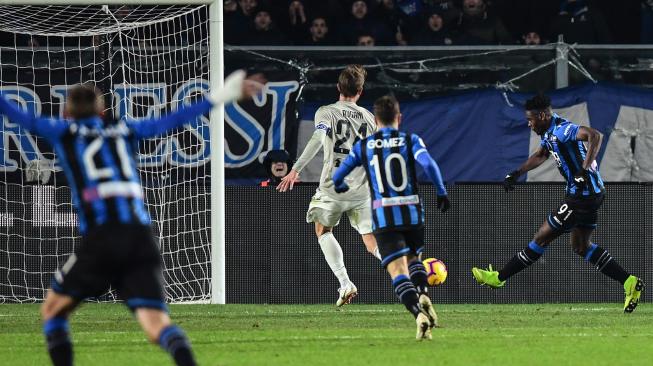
(216, 76)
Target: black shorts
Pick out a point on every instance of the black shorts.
(399, 242)
(123, 257)
(576, 212)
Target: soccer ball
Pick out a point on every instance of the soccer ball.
(436, 271)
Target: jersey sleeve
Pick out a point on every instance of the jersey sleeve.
(352, 161)
(49, 128)
(322, 121)
(429, 165)
(153, 127)
(568, 133)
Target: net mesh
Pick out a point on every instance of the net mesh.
(148, 60)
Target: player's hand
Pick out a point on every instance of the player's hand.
(443, 203)
(288, 182)
(342, 188)
(510, 181)
(252, 85)
(581, 178)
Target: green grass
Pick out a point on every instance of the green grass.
(550, 334)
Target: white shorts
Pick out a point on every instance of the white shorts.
(328, 211)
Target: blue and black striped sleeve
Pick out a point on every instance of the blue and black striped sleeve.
(429, 165)
(352, 161)
(153, 127)
(48, 128)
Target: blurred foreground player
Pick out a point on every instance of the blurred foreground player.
(118, 248)
(337, 128)
(388, 157)
(565, 141)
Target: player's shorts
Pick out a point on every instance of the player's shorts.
(328, 211)
(576, 212)
(399, 242)
(118, 256)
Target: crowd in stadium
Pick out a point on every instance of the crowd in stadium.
(435, 22)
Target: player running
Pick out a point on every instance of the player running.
(565, 141)
(337, 127)
(118, 248)
(388, 157)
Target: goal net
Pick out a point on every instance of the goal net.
(148, 60)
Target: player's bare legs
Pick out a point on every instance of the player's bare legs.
(334, 257)
(370, 245)
(152, 321)
(54, 312)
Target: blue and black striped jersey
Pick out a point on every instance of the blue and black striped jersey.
(99, 160)
(388, 157)
(569, 153)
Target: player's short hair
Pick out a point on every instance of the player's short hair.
(540, 102)
(386, 109)
(83, 100)
(351, 80)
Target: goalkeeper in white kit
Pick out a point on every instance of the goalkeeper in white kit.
(338, 127)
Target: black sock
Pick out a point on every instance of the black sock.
(57, 337)
(174, 341)
(521, 260)
(604, 263)
(419, 277)
(406, 293)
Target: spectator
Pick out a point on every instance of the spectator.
(362, 22)
(646, 35)
(580, 23)
(277, 164)
(235, 23)
(319, 34)
(476, 26)
(366, 40)
(432, 32)
(446, 8)
(264, 31)
(298, 22)
(248, 7)
(531, 39)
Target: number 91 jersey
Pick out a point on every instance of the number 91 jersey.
(344, 124)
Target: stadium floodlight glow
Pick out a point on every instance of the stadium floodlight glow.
(144, 54)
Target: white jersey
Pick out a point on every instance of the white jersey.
(344, 124)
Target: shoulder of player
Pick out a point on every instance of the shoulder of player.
(564, 128)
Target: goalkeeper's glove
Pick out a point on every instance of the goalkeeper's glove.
(510, 180)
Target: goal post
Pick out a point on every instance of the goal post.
(168, 52)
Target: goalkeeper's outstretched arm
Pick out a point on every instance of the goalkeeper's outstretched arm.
(235, 87)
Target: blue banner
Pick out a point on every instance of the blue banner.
(480, 136)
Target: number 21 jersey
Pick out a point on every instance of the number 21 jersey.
(344, 124)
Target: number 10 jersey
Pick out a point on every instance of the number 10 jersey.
(344, 124)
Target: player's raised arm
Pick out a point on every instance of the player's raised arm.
(352, 161)
(235, 87)
(531, 163)
(45, 127)
(431, 168)
(313, 146)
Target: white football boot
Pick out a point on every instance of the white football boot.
(346, 294)
(428, 307)
(423, 327)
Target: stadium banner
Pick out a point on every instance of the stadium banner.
(482, 135)
(268, 122)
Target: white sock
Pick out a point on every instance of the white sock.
(333, 255)
(377, 254)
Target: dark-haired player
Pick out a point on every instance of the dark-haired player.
(118, 247)
(574, 149)
(388, 157)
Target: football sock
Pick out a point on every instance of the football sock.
(419, 277)
(333, 255)
(406, 293)
(57, 337)
(521, 260)
(377, 254)
(174, 341)
(604, 263)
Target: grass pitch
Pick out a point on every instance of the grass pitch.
(547, 334)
